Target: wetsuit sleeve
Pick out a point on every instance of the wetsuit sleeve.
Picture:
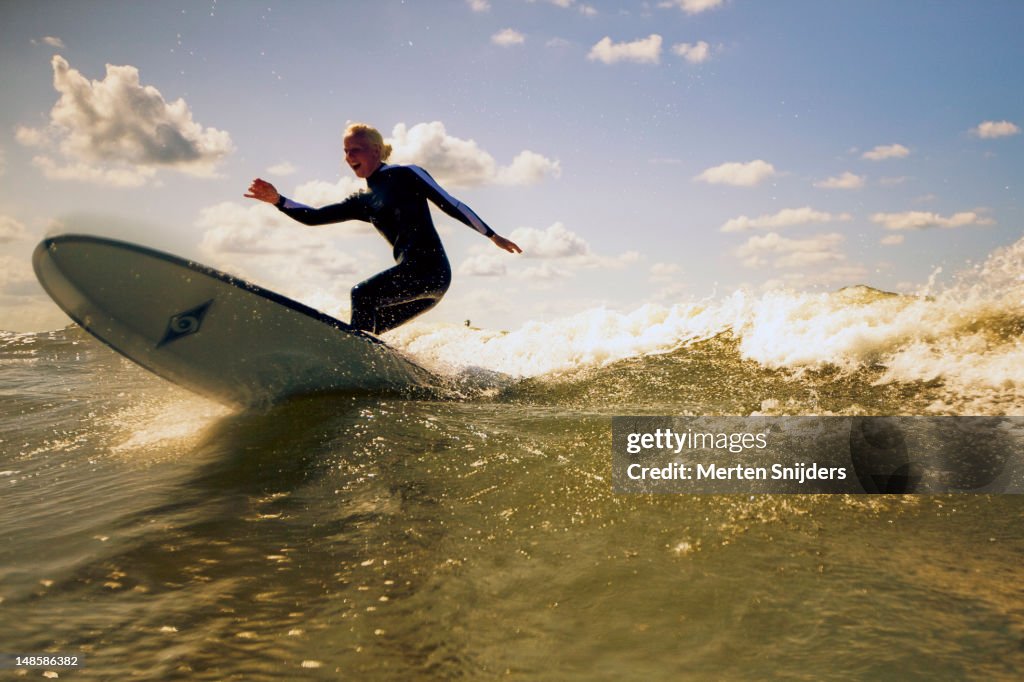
(450, 204)
(349, 209)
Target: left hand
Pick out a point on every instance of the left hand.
(264, 191)
(506, 244)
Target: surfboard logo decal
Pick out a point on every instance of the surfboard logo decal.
(184, 323)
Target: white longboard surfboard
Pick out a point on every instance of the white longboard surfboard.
(212, 333)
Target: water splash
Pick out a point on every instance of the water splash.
(966, 337)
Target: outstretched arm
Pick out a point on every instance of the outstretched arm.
(335, 213)
(460, 211)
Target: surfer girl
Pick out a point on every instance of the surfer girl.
(395, 202)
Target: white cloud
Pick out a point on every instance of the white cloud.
(845, 181)
(31, 137)
(586, 10)
(790, 253)
(645, 51)
(23, 305)
(664, 272)
(886, 151)
(993, 129)
(282, 169)
(479, 5)
(508, 37)
(696, 53)
(260, 244)
(116, 176)
(253, 229)
(891, 240)
(52, 41)
(553, 253)
(923, 220)
(457, 162)
(554, 242)
(693, 6)
(527, 168)
(11, 230)
(738, 174)
(787, 217)
(320, 193)
(484, 265)
(118, 131)
(16, 280)
(547, 271)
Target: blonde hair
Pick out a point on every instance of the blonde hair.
(372, 135)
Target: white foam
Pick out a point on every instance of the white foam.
(171, 423)
(967, 335)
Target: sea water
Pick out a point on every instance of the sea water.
(159, 536)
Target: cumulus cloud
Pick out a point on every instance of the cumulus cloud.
(664, 272)
(258, 243)
(738, 174)
(547, 271)
(555, 242)
(282, 169)
(886, 151)
(845, 181)
(113, 176)
(508, 37)
(787, 217)
(693, 6)
(484, 265)
(924, 220)
(17, 281)
(462, 163)
(479, 5)
(644, 51)
(554, 253)
(586, 10)
(696, 53)
(558, 243)
(23, 305)
(320, 193)
(790, 253)
(52, 41)
(527, 168)
(119, 131)
(11, 230)
(988, 130)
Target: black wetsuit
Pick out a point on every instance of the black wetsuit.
(395, 202)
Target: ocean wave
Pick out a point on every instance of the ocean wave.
(964, 340)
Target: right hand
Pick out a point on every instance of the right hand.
(264, 191)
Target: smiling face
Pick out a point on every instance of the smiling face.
(362, 155)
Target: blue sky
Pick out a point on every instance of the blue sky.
(641, 153)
